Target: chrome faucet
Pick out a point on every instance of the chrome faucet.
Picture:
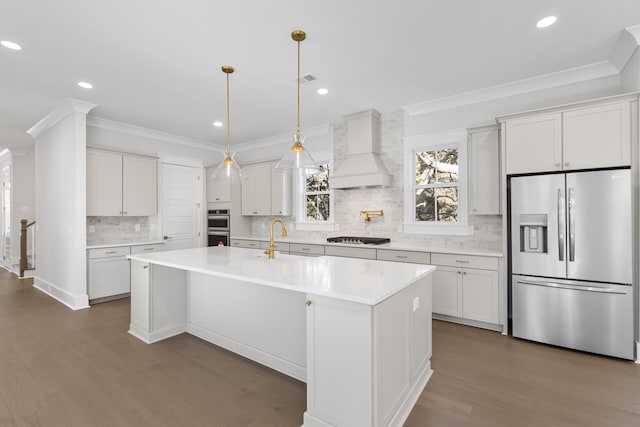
(271, 251)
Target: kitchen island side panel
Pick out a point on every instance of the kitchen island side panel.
(262, 323)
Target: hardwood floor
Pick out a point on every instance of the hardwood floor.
(60, 367)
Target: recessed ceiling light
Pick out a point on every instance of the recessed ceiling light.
(10, 45)
(323, 91)
(85, 85)
(217, 124)
(546, 22)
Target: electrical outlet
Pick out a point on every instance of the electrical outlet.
(137, 227)
(92, 229)
(416, 303)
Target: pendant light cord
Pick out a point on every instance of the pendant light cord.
(228, 120)
(298, 128)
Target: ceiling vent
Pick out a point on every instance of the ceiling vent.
(363, 166)
(305, 79)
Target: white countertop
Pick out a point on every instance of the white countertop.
(357, 280)
(115, 245)
(401, 246)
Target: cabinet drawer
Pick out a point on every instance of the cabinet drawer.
(366, 253)
(279, 246)
(306, 249)
(404, 256)
(465, 261)
(250, 244)
(145, 249)
(109, 252)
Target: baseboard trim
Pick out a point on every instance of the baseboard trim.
(637, 352)
(74, 302)
(412, 397)
(467, 322)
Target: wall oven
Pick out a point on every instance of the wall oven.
(218, 227)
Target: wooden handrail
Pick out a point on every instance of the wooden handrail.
(24, 226)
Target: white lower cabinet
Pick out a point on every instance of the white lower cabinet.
(109, 270)
(109, 273)
(465, 292)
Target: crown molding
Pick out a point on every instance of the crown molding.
(546, 81)
(625, 47)
(67, 107)
(280, 139)
(106, 124)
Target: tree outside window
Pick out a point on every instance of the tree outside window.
(437, 185)
(317, 195)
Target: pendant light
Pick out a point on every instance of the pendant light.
(228, 169)
(298, 157)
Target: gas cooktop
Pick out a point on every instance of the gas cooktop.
(359, 240)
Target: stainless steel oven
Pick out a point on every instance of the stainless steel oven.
(218, 226)
(218, 219)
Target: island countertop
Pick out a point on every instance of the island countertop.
(357, 280)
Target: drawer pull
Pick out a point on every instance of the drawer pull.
(402, 256)
(306, 249)
(111, 252)
(148, 249)
(462, 261)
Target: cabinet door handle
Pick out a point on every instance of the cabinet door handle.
(464, 272)
(566, 163)
(459, 272)
(145, 267)
(307, 303)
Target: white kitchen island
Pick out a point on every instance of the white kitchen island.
(358, 332)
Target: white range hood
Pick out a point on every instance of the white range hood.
(363, 166)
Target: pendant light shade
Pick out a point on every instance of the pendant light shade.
(228, 169)
(298, 157)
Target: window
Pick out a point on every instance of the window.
(435, 184)
(437, 180)
(317, 196)
(315, 201)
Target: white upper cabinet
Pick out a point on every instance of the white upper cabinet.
(120, 185)
(104, 183)
(534, 144)
(485, 170)
(597, 136)
(265, 191)
(218, 190)
(139, 188)
(590, 135)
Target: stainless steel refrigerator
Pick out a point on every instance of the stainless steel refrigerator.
(571, 260)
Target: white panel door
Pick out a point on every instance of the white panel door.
(181, 206)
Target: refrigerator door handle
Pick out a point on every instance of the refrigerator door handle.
(561, 225)
(572, 226)
(572, 287)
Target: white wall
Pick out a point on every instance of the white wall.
(60, 183)
(22, 195)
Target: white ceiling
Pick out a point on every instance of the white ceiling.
(156, 63)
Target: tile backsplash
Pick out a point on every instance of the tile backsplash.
(487, 232)
(116, 229)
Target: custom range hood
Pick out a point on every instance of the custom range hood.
(363, 166)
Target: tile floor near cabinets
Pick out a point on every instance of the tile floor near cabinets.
(60, 367)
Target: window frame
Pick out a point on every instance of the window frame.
(429, 142)
(302, 223)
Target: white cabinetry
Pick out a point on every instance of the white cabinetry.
(120, 185)
(109, 273)
(265, 191)
(589, 135)
(109, 270)
(350, 252)
(485, 170)
(245, 243)
(218, 190)
(466, 287)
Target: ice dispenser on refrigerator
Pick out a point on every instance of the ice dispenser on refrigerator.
(533, 233)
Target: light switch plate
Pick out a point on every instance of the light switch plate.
(92, 229)
(416, 303)
(137, 227)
